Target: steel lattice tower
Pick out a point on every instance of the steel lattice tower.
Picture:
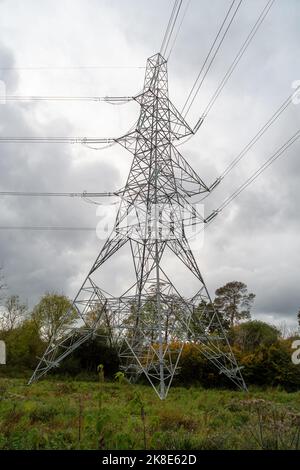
(151, 321)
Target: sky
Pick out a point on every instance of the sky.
(255, 240)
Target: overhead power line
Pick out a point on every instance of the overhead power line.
(253, 141)
(78, 67)
(107, 99)
(258, 136)
(278, 153)
(197, 85)
(235, 62)
(47, 228)
(179, 28)
(170, 27)
(57, 140)
(51, 194)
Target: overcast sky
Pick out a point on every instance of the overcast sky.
(255, 240)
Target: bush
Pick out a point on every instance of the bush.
(250, 335)
(258, 348)
(23, 345)
(195, 368)
(271, 366)
(87, 357)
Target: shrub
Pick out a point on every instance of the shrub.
(253, 334)
(89, 355)
(23, 345)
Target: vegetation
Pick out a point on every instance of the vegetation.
(13, 314)
(66, 414)
(53, 315)
(259, 347)
(87, 405)
(233, 302)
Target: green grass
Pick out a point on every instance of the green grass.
(54, 414)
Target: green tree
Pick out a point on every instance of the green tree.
(234, 303)
(23, 344)
(101, 318)
(142, 319)
(298, 317)
(53, 315)
(171, 309)
(253, 334)
(202, 320)
(205, 320)
(13, 313)
(87, 356)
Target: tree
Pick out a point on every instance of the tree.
(50, 315)
(23, 344)
(101, 318)
(254, 334)
(142, 319)
(233, 303)
(204, 321)
(88, 355)
(298, 316)
(172, 308)
(13, 313)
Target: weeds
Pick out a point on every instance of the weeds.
(172, 419)
(138, 401)
(43, 414)
(120, 377)
(273, 427)
(100, 370)
(80, 419)
(115, 415)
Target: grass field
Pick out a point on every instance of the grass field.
(56, 414)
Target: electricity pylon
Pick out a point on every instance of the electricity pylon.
(151, 321)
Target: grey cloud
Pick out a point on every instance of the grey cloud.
(255, 240)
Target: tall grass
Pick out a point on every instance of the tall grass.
(117, 415)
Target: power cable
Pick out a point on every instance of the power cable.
(258, 136)
(235, 62)
(79, 67)
(209, 219)
(178, 29)
(255, 174)
(187, 104)
(106, 99)
(57, 140)
(172, 28)
(46, 228)
(84, 194)
(168, 26)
